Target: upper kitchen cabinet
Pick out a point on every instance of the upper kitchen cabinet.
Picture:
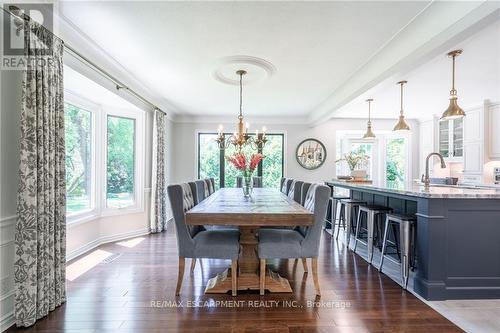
(451, 139)
(494, 120)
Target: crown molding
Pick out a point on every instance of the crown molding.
(74, 36)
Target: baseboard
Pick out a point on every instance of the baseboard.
(103, 240)
(8, 319)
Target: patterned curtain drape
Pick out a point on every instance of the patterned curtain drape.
(40, 235)
(158, 214)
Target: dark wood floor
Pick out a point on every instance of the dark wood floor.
(117, 297)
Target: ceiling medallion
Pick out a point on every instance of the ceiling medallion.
(257, 69)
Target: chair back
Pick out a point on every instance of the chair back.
(257, 181)
(316, 201)
(303, 192)
(181, 200)
(194, 191)
(201, 190)
(210, 186)
(239, 181)
(212, 181)
(285, 185)
(295, 191)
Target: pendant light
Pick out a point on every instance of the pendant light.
(401, 125)
(369, 133)
(453, 111)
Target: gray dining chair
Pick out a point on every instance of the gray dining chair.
(212, 181)
(201, 190)
(282, 243)
(295, 192)
(256, 181)
(210, 185)
(195, 242)
(285, 184)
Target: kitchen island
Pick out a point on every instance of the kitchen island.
(457, 236)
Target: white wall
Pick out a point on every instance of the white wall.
(185, 163)
(10, 95)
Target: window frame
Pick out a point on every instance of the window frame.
(99, 159)
(222, 160)
(139, 157)
(94, 109)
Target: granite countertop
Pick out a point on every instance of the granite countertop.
(416, 190)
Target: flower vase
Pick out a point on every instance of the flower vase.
(247, 185)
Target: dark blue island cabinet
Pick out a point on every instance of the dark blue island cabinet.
(457, 236)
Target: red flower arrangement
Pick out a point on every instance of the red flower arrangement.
(239, 161)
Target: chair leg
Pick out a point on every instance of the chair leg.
(304, 264)
(180, 276)
(193, 264)
(234, 277)
(315, 275)
(384, 242)
(262, 275)
(356, 234)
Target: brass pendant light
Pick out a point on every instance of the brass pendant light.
(401, 125)
(453, 111)
(369, 133)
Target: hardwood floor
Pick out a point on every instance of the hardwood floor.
(135, 292)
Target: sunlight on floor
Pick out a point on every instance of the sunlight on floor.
(131, 242)
(83, 265)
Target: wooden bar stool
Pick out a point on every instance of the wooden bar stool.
(350, 206)
(374, 213)
(407, 233)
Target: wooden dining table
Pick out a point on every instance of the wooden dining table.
(266, 207)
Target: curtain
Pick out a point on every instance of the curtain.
(158, 214)
(40, 235)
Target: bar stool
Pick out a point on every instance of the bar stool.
(373, 212)
(336, 213)
(407, 233)
(350, 205)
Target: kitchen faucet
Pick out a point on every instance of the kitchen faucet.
(425, 178)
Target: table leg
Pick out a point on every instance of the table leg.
(248, 268)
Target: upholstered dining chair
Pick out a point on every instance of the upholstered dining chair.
(201, 190)
(256, 181)
(285, 184)
(195, 242)
(210, 185)
(295, 191)
(297, 243)
(212, 181)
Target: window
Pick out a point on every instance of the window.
(211, 162)
(120, 174)
(104, 159)
(365, 148)
(78, 141)
(395, 162)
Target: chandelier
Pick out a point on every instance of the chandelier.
(241, 137)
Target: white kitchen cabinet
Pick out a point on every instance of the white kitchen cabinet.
(494, 131)
(475, 127)
(451, 139)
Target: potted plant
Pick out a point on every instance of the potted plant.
(354, 159)
(247, 168)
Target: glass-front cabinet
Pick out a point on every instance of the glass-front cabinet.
(451, 138)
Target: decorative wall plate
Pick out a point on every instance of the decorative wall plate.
(310, 154)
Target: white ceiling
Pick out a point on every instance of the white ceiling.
(427, 91)
(172, 47)
(81, 86)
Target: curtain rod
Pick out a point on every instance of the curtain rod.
(119, 85)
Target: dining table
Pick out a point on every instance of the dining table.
(266, 207)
